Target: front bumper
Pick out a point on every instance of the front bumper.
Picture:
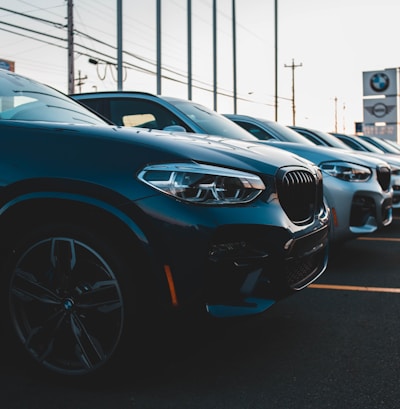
(247, 277)
(232, 261)
(395, 182)
(357, 208)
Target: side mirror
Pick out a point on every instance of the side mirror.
(174, 128)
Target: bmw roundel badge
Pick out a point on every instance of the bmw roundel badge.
(379, 82)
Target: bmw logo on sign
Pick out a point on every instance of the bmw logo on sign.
(379, 82)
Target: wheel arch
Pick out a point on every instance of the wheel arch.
(30, 211)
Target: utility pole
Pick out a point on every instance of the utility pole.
(189, 47)
(336, 114)
(293, 66)
(158, 47)
(71, 77)
(215, 52)
(276, 60)
(344, 119)
(80, 80)
(234, 57)
(119, 44)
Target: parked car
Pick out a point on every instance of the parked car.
(320, 137)
(145, 110)
(104, 228)
(381, 144)
(324, 138)
(357, 144)
(358, 193)
(391, 142)
(360, 146)
(354, 205)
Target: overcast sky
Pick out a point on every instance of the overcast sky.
(331, 43)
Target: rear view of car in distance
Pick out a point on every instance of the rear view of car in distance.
(360, 203)
(106, 230)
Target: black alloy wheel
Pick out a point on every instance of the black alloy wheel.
(66, 304)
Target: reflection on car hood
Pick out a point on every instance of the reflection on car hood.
(202, 144)
(319, 154)
(149, 145)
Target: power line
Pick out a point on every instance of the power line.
(36, 39)
(104, 57)
(33, 31)
(58, 25)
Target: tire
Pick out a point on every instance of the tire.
(66, 299)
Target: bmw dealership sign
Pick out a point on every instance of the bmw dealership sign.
(380, 103)
(380, 82)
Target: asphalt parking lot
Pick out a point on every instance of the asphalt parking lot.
(333, 345)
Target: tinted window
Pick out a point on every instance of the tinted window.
(38, 105)
(255, 130)
(210, 121)
(141, 113)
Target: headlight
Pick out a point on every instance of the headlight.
(394, 170)
(350, 172)
(203, 184)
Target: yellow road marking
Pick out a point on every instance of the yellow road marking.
(354, 288)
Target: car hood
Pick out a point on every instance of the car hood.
(319, 154)
(248, 155)
(145, 146)
(392, 160)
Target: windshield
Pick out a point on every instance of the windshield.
(22, 99)
(369, 146)
(210, 121)
(332, 140)
(286, 134)
(386, 146)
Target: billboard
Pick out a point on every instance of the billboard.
(7, 65)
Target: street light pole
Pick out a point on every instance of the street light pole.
(119, 44)
(276, 60)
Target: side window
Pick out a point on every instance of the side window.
(353, 145)
(310, 137)
(99, 105)
(141, 113)
(255, 131)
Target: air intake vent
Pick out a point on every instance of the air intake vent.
(300, 194)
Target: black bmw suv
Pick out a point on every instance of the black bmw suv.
(105, 227)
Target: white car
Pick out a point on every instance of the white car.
(360, 204)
